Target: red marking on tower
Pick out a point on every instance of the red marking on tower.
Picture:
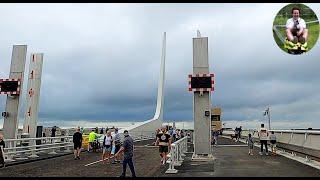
(29, 112)
(31, 92)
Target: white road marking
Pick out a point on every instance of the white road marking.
(97, 161)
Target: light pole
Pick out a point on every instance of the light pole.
(267, 112)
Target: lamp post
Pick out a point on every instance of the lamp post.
(267, 112)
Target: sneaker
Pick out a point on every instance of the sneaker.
(78, 157)
(260, 153)
(267, 154)
(113, 162)
(75, 158)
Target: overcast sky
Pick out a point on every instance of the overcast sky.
(102, 61)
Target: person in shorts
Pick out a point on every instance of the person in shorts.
(164, 143)
(273, 141)
(296, 28)
(77, 142)
(107, 145)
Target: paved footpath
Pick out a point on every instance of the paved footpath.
(232, 160)
(146, 160)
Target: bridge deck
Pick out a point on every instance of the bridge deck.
(234, 161)
(229, 161)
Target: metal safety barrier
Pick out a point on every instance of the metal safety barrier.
(24, 148)
(302, 141)
(177, 151)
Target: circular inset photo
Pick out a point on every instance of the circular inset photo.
(296, 29)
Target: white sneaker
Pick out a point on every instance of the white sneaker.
(260, 153)
(267, 154)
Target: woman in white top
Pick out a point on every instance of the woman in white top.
(107, 145)
(296, 28)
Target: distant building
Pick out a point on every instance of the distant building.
(216, 124)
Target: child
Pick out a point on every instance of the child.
(250, 144)
(273, 140)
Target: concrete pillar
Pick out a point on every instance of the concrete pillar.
(201, 101)
(33, 93)
(10, 124)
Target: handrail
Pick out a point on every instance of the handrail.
(53, 143)
(302, 141)
(177, 150)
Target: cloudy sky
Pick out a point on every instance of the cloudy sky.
(102, 62)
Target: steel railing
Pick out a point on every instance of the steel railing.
(24, 148)
(177, 151)
(302, 141)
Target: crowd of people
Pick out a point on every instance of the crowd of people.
(112, 147)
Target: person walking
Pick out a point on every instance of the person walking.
(164, 143)
(273, 141)
(107, 145)
(77, 142)
(263, 136)
(127, 148)
(117, 145)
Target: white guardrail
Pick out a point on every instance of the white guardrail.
(177, 151)
(304, 141)
(24, 148)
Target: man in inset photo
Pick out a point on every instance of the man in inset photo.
(296, 28)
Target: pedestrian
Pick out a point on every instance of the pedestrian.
(2, 145)
(92, 137)
(250, 142)
(236, 132)
(77, 142)
(263, 136)
(53, 131)
(215, 137)
(127, 148)
(239, 130)
(273, 141)
(101, 130)
(117, 145)
(107, 145)
(174, 135)
(164, 143)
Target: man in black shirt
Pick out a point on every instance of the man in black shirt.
(127, 148)
(77, 141)
(164, 143)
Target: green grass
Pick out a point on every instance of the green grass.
(312, 39)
